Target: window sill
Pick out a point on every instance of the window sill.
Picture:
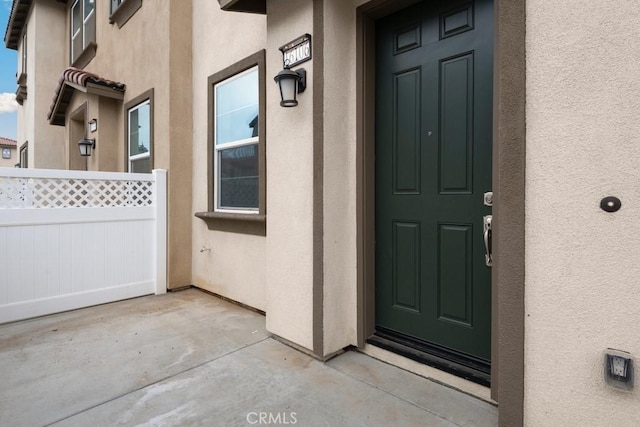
(86, 56)
(234, 222)
(124, 12)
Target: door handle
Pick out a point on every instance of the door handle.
(486, 221)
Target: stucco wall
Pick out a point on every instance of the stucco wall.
(45, 28)
(9, 163)
(26, 124)
(289, 184)
(232, 264)
(150, 51)
(142, 65)
(582, 271)
(339, 190)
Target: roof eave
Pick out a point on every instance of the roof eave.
(248, 6)
(72, 80)
(17, 19)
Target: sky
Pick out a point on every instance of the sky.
(8, 67)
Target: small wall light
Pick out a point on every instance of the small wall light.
(86, 145)
(93, 125)
(291, 83)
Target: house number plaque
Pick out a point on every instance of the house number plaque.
(296, 52)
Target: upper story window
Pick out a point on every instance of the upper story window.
(83, 28)
(23, 56)
(24, 155)
(140, 133)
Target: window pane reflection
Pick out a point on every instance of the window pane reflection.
(239, 177)
(237, 108)
(141, 165)
(139, 130)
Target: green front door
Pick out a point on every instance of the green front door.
(433, 166)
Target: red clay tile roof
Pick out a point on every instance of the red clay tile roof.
(8, 142)
(82, 77)
(73, 76)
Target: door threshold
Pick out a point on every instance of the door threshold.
(462, 365)
(465, 386)
(434, 374)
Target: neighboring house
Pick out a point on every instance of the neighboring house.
(113, 73)
(40, 46)
(359, 217)
(9, 149)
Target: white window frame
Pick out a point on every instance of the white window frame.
(229, 145)
(82, 28)
(141, 155)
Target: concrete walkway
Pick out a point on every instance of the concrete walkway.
(190, 359)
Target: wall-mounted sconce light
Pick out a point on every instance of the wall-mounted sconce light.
(93, 125)
(291, 83)
(86, 145)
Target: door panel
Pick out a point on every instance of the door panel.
(456, 124)
(433, 163)
(406, 268)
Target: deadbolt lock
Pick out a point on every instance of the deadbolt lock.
(488, 198)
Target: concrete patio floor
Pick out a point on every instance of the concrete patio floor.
(190, 359)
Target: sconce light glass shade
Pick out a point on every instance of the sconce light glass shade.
(291, 83)
(86, 145)
(93, 125)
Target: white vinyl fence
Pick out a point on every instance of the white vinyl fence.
(72, 239)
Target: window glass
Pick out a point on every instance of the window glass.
(76, 22)
(83, 26)
(24, 156)
(141, 165)
(139, 130)
(24, 51)
(6, 153)
(239, 177)
(139, 137)
(115, 4)
(236, 144)
(237, 108)
(88, 8)
(237, 182)
(89, 31)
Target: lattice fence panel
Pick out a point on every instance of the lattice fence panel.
(74, 193)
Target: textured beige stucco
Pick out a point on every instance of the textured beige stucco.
(231, 264)
(150, 51)
(9, 163)
(45, 56)
(340, 279)
(289, 184)
(582, 270)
